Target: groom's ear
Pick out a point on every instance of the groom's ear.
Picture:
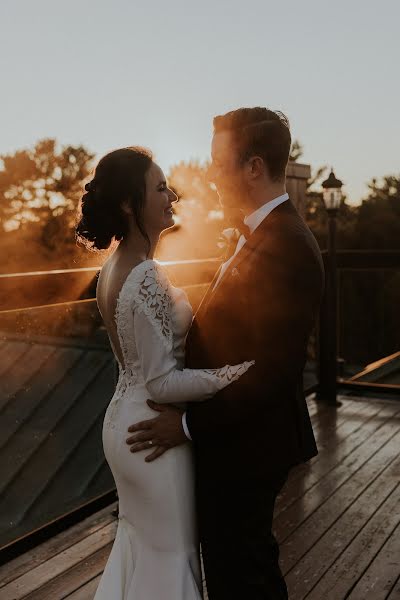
(126, 207)
(256, 167)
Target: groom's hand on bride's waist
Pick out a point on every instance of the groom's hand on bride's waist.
(161, 433)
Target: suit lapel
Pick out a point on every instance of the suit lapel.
(256, 238)
(247, 249)
(208, 293)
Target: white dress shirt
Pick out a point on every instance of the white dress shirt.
(252, 221)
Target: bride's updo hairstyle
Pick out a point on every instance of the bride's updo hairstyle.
(119, 177)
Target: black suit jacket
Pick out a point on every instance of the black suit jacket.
(264, 308)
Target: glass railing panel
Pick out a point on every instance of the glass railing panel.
(369, 324)
(57, 376)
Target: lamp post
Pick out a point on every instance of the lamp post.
(332, 197)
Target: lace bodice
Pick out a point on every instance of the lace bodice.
(152, 320)
(145, 292)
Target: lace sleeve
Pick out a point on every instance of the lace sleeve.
(154, 300)
(229, 374)
(154, 344)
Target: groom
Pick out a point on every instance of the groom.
(262, 305)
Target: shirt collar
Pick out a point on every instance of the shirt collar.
(255, 218)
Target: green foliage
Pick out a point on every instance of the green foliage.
(199, 214)
(296, 151)
(190, 182)
(40, 190)
(378, 217)
(373, 225)
(41, 183)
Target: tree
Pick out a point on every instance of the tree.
(190, 181)
(378, 217)
(40, 190)
(296, 151)
(41, 183)
(199, 215)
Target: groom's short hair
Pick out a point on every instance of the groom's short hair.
(259, 132)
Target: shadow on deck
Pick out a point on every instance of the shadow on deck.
(337, 519)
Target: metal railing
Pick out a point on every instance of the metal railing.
(53, 349)
(66, 297)
(356, 299)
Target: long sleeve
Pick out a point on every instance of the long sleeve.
(154, 343)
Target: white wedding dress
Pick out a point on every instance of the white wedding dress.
(155, 555)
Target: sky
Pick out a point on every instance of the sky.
(114, 73)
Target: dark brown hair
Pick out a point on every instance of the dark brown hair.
(259, 132)
(118, 177)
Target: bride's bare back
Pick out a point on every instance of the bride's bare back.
(111, 279)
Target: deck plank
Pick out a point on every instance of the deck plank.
(344, 573)
(39, 578)
(395, 592)
(352, 434)
(85, 592)
(322, 515)
(45, 551)
(379, 580)
(337, 520)
(61, 587)
(306, 573)
(320, 504)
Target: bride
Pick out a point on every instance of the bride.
(155, 553)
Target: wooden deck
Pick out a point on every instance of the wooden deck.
(337, 520)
